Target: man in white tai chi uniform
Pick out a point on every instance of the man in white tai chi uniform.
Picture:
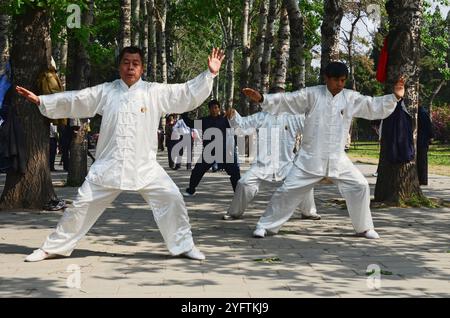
(126, 151)
(329, 110)
(276, 136)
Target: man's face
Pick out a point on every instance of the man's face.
(335, 84)
(214, 110)
(131, 68)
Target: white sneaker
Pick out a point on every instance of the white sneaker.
(187, 194)
(311, 217)
(370, 234)
(229, 217)
(194, 253)
(38, 255)
(259, 233)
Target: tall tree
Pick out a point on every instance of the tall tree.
(399, 182)
(152, 56)
(245, 63)
(125, 23)
(78, 78)
(268, 46)
(258, 51)
(330, 29)
(144, 38)
(161, 18)
(136, 22)
(30, 54)
(296, 54)
(282, 50)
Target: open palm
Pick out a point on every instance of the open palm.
(215, 60)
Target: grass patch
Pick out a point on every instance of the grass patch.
(382, 272)
(419, 202)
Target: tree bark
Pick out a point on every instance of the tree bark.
(136, 22)
(297, 38)
(282, 51)
(258, 52)
(29, 55)
(152, 58)
(268, 46)
(4, 43)
(79, 79)
(161, 15)
(125, 24)
(144, 38)
(331, 26)
(245, 63)
(399, 182)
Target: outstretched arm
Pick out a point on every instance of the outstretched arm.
(73, 104)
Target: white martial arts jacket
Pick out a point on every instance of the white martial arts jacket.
(127, 145)
(276, 140)
(327, 122)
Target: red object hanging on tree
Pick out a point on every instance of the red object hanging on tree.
(382, 63)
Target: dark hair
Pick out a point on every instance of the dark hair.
(131, 50)
(213, 102)
(336, 69)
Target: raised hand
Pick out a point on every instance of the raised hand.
(252, 94)
(29, 95)
(215, 60)
(399, 88)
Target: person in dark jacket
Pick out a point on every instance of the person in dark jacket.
(215, 120)
(424, 136)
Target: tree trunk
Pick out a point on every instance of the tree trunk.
(60, 56)
(399, 182)
(170, 44)
(258, 53)
(125, 24)
(152, 61)
(245, 63)
(144, 38)
(29, 56)
(296, 54)
(282, 52)
(79, 79)
(4, 44)
(268, 45)
(331, 26)
(136, 22)
(161, 15)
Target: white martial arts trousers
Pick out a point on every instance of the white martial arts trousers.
(248, 187)
(161, 194)
(351, 183)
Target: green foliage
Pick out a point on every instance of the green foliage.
(418, 202)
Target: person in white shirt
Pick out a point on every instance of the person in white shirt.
(329, 110)
(126, 151)
(274, 158)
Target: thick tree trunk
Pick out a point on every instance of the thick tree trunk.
(29, 55)
(258, 52)
(136, 22)
(245, 63)
(282, 50)
(331, 26)
(268, 46)
(397, 183)
(296, 54)
(125, 24)
(170, 45)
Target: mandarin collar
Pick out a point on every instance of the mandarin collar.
(132, 87)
